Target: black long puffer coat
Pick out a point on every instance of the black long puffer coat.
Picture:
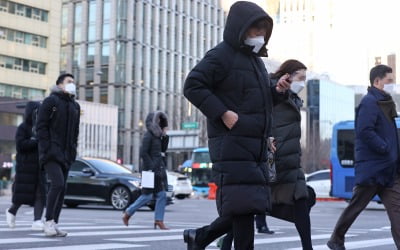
(291, 184)
(232, 77)
(58, 128)
(28, 173)
(152, 152)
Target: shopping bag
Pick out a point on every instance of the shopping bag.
(147, 179)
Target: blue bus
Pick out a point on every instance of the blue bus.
(200, 171)
(342, 160)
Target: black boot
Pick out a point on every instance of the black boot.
(189, 236)
(264, 230)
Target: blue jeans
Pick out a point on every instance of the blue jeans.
(161, 201)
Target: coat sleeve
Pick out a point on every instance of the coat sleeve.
(43, 125)
(76, 136)
(365, 127)
(201, 81)
(23, 140)
(278, 97)
(145, 150)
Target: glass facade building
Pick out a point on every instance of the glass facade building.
(136, 54)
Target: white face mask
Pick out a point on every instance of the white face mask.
(389, 87)
(256, 42)
(70, 88)
(297, 86)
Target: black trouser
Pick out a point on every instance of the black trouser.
(302, 222)
(57, 176)
(261, 221)
(241, 226)
(40, 200)
(228, 239)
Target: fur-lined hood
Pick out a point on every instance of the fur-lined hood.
(155, 122)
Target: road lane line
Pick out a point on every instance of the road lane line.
(151, 238)
(24, 240)
(87, 247)
(361, 244)
(119, 232)
(72, 228)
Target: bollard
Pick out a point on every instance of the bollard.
(212, 191)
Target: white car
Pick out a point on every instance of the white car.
(181, 183)
(320, 181)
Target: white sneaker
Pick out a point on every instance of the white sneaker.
(37, 225)
(49, 228)
(60, 233)
(10, 218)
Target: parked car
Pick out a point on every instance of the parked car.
(95, 180)
(320, 181)
(181, 185)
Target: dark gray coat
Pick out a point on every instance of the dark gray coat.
(154, 146)
(231, 77)
(291, 183)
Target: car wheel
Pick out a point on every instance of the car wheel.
(180, 196)
(71, 205)
(152, 207)
(120, 198)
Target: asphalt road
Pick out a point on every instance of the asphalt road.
(100, 227)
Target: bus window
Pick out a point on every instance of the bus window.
(345, 147)
(201, 157)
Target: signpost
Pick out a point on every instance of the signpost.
(190, 125)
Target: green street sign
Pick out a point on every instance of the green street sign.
(190, 125)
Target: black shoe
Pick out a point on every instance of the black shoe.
(264, 230)
(335, 246)
(189, 236)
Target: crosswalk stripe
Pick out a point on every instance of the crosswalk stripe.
(284, 239)
(24, 240)
(357, 244)
(87, 247)
(152, 238)
(119, 232)
(71, 228)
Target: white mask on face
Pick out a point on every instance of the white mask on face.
(389, 87)
(297, 86)
(70, 88)
(256, 42)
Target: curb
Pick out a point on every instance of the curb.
(329, 199)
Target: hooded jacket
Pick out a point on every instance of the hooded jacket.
(376, 144)
(27, 176)
(58, 128)
(152, 152)
(232, 77)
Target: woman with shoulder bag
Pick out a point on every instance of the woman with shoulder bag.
(154, 146)
(290, 192)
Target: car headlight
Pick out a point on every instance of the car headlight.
(135, 183)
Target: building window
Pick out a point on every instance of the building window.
(64, 25)
(21, 92)
(23, 37)
(105, 54)
(23, 10)
(22, 64)
(78, 23)
(90, 55)
(92, 21)
(106, 19)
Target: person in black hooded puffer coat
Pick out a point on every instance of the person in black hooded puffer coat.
(154, 145)
(231, 87)
(29, 184)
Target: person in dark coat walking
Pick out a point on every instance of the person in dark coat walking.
(154, 145)
(290, 188)
(230, 86)
(376, 157)
(29, 183)
(58, 130)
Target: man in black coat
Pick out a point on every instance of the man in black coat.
(57, 130)
(230, 86)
